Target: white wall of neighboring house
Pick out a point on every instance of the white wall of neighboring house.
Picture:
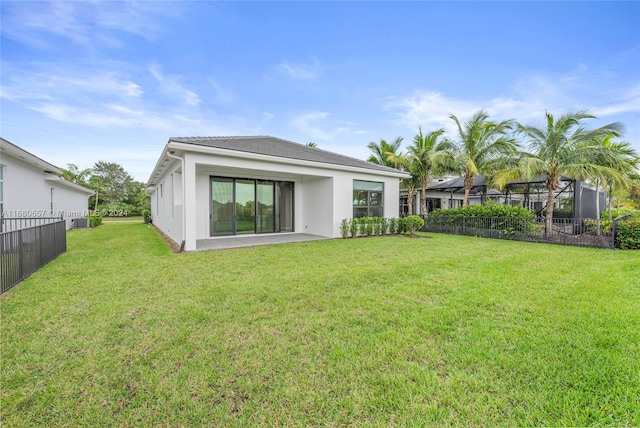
(29, 191)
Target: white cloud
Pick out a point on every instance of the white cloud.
(300, 71)
(111, 100)
(171, 86)
(309, 123)
(267, 117)
(87, 24)
(526, 100)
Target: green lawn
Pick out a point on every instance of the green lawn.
(361, 332)
(123, 219)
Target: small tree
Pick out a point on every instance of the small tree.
(413, 223)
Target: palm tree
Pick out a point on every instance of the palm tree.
(311, 144)
(560, 149)
(483, 147)
(428, 153)
(618, 161)
(75, 174)
(406, 163)
(381, 151)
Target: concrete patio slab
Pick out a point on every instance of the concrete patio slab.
(223, 243)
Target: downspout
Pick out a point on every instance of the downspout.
(184, 194)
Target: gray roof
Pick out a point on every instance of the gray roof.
(458, 183)
(272, 146)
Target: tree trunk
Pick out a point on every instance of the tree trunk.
(424, 198)
(550, 198)
(468, 184)
(598, 230)
(610, 203)
(95, 208)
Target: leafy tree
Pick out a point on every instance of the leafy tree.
(97, 185)
(560, 148)
(138, 196)
(115, 181)
(428, 152)
(383, 153)
(76, 175)
(483, 147)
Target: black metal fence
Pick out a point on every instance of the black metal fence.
(7, 224)
(24, 251)
(565, 231)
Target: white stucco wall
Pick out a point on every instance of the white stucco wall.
(317, 202)
(30, 192)
(166, 203)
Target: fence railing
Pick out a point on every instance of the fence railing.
(24, 251)
(8, 224)
(565, 231)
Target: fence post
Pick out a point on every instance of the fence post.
(20, 266)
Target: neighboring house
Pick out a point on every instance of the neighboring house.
(207, 187)
(33, 188)
(575, 196)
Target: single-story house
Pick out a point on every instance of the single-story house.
(573, 195)
(208, 187)
(33, 188)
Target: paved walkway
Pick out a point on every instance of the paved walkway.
(253, 240)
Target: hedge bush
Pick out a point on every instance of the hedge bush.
(146, 216)
(507, 218)
(413, 223)
(369, 226)
(628, 233)
(95, 221)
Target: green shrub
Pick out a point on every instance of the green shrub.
(378, 225)
(393, 225)
(628, 234)
(563, 213)
(353, 227)
(118, 210)
(146, 216)
(509, 219)
(592, 225)
(385, 225)
(95, 220)
(622, 211)
(413, 223)
(344, 228)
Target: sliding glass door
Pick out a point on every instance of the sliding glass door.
(264, 207)
(245, 206)
(222, 206)
(284, 196)
(241, 206)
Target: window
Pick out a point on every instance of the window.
(52, 212)
(368, 199)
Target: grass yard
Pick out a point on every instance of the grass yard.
(361, 332)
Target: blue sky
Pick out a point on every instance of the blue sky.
(89, 81)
